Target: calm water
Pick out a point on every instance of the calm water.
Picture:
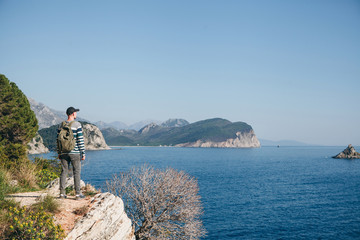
(265, 193)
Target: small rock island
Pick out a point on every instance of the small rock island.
(348, 153)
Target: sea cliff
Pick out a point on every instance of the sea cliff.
(242, 140)
(93, 138)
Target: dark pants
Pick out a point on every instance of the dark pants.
(66, 159)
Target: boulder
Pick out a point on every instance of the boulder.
(106, 219)
(348, 153)
(53, 188)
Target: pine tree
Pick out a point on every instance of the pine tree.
(18, 123)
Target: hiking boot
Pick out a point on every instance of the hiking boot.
(63, 196)
(79, 196)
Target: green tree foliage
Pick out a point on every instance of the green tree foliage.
(18, 123)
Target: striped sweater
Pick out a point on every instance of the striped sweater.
(78, 135)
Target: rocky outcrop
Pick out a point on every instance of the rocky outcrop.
(93, 138)
(348, 153)
(148, 128)
(36, 145)
(242, 140)
(106, 219)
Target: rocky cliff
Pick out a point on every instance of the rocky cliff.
(242, 140)
(36, 145)
(93, 138)
(106, 219)
(348, 153)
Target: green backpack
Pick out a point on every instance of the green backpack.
(65, 140)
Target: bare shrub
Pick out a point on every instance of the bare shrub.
(162, 204)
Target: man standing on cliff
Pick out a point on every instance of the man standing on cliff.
(74, 156)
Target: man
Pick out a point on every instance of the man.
(75, 156)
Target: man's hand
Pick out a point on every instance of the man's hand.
(83, 158)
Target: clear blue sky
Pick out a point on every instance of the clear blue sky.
(291, 69)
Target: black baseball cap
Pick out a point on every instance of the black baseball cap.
(71, 110)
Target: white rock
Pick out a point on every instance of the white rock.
(106, 220)
(93, 138)
(242, 140)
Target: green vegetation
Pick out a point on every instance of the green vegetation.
(24, 223)
(4, 186)
(49, 136)
(48, 204)
(37, 222)
(18, 125)
(46, 170)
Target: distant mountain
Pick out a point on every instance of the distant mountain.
(46, 116)
(215, 132)
(175, 123)
(137, 126)
(291, 143)
(117, 125)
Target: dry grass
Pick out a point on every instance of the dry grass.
(89, 190)
(3, 221)
(27, 176)
(81, 211)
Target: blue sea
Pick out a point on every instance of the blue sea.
(258, 193)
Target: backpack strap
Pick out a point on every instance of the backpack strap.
(64, 123)
(70, 123)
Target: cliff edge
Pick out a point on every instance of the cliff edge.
(106, 219)
(102, 216)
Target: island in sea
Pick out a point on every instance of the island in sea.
(216, 132)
